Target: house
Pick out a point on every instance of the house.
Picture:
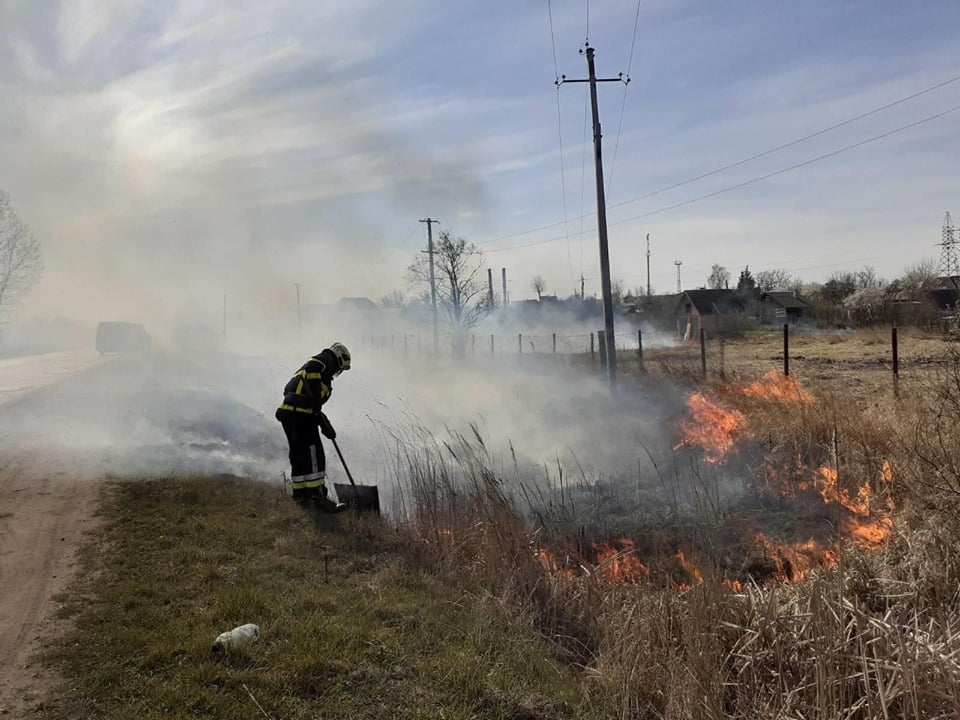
(780, 306)
(711, 310)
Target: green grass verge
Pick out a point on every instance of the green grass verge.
(347, 629)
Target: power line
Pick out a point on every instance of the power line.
(563, 182)
(761, 177)
(623, 103)
(792, 167)
(789, 144)
(752, 157)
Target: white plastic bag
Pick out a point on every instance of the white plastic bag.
(238, 637)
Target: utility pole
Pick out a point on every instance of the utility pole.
(582, 281)
(433, 284)
(648, 265)
(601, 207)
(678, 263)
(490, 286)
(506, 300)
(949, 266)
(299, 321)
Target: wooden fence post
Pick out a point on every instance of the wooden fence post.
(602, 342)
(592, 351)
(703, 351)
(786, 350)
(640, 350)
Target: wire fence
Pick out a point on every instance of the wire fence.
(705, 355)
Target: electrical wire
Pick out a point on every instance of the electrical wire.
(789, 144)
(760, 178)
(623, 102)
(792, 167)
(748, 159)
(563, 182)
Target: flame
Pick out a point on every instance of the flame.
(774, 386)
(793, 561)
(548, 561)
(618, 562)
(712, 428)
(692, 569)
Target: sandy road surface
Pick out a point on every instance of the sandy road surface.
(42, 521)
(66, 422)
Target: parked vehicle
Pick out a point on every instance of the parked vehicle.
(122, 338)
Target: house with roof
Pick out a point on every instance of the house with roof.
(782, 306)
(711, 310)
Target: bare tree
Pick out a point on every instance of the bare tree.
(867, 278)
(920, 276)
(719, 278)
(616, 291)
(395, 299)
(461, 291)
(539, 286)
(21, 260)
(776, 278)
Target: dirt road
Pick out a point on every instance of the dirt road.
(42, 522)
(66, 422)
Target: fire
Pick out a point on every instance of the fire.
(774, 386)
(792, 562)
(619, 562)
(712, 428)
(691, 569)
(548, 561)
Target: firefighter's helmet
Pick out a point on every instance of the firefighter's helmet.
(342, 354)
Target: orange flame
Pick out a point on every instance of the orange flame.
(712, 428)
(618, 562)
(794, 561)
(692, 569)
(548, 561)
(774, 386)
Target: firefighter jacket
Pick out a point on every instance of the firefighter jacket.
(310, 387)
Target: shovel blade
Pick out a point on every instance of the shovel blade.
(361, 498)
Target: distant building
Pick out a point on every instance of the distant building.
(712, 310)
(780, 306)
(357, 303)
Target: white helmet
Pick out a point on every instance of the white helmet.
(342, 355)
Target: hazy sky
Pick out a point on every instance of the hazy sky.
(167, 153)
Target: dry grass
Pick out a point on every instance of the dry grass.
(875, 636)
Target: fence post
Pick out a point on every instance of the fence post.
(640, 350)
(519, 343)
(786, 350)
(896, 361)
(554, 343)
(602, 342)
(592, 351)
(703, 351)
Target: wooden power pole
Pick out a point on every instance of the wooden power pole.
(433, 284)
(592, 79)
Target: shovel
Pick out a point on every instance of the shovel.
(361, 498)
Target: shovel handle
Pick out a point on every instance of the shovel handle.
(343, 462)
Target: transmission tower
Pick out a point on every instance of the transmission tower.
(949, 266)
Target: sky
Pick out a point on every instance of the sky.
(168, 154)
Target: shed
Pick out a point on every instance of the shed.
(779, 306)
(712, 310)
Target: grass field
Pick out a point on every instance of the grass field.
(488, 597)
(348, 628)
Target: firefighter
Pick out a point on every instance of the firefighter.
(301, 415)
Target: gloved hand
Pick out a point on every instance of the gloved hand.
(326, 428)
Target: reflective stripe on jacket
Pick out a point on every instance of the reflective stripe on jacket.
(310, 387)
